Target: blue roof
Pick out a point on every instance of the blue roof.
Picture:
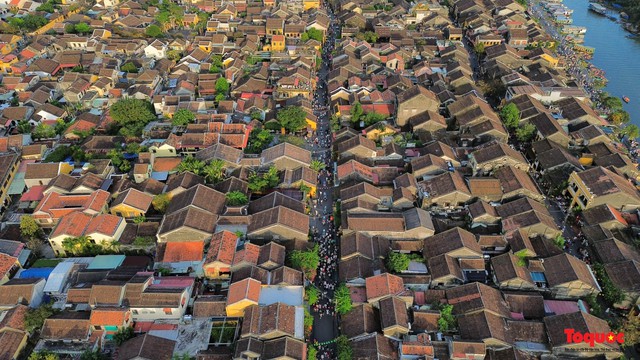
(160, 175)
(129, 156)
(35, 273)
(104, 262)
(538, 277)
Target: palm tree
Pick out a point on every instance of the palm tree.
(214, 172)
(77, 245)
(191, 164)
(24, 127)
(317, 165)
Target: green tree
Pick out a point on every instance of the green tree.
(154, 31)
(312, 353)
(356, 112)
(174, 55)
(237, 198)
(292, 118)
(447, 321)
(312, 294)
(259, 139)
(34, 318)
(43, 131)
(80, 245)
(160, 202)
(559, 241)
(132, 115)
(308, 319)
(70, 29)
(610, 292)
(345, 352)
(306, 261)
(93, 355)
(630, 130)
(215, 171)
(397, 262)
(129, 67)
(479, 48)
(123, 334)
(312, 33)
(24, 127)
(216, 65)
(612, 102)
(368, 36)
(317, 165)
(29, 228)
(304, 37)
(268, 180)
(183, 117)
(46, 7)
(372, 118)
(139, 219)
(83, 28)
(222, 86)
(34, 22)
(510, 116)
(619, 117)
(342, 299)
(43, 355)
(525, 132)
(191, 164)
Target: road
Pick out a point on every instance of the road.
(325, 328)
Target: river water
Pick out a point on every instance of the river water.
(616, 54)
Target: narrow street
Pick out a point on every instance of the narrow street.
(324, 233)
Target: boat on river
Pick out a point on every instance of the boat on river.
(598, 9)
(625, 99)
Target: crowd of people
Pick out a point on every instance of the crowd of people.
(324, 232)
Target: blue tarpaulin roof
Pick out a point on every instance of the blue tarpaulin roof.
(34, 273)
(538, 277)
(160, 175)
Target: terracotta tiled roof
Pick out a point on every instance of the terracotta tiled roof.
(109, 316)
(383, 284)
(105, 224)
(66, 326)
(166, 164)
(180, 251)
(6, 263)
(249, 254)
(244, 289)
(147, 347)
(14, 318)
(222, 247)
(134, 198)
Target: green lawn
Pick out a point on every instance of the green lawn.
(42, 263)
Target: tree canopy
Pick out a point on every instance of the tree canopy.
(29, 228)
(132, 115)
(182, 117)
(43, 355)
(123, 334)
(312, 33)
(83, 28)
(237, 198)
(129, 67)
(630, 130)
(191, 164)
(510, 116)
(222, 86)
(214, 171)
(447, 321)
(160, 202)
(268, 180)
(154, 31)
(397, 262)
(259, 139)
(525, 132)
(345, 352)
(342, 299)
(356, 112)
(34, 318)
(292, 118)
(619, 117)
(306, 261)
(317, 165)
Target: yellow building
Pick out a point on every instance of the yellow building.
(131, 203)
(8, 168)
(598, 186)
(278, 43)
(241, 295)
(310, 4)
(6, 62)
(9, 44)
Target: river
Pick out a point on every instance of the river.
(616, 54)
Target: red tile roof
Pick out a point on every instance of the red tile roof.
(383, 284)
(250, 254)
(6, 263)
(104, 224)
(181, 251)
(222, 247)
(248, 288)
(109, 316)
